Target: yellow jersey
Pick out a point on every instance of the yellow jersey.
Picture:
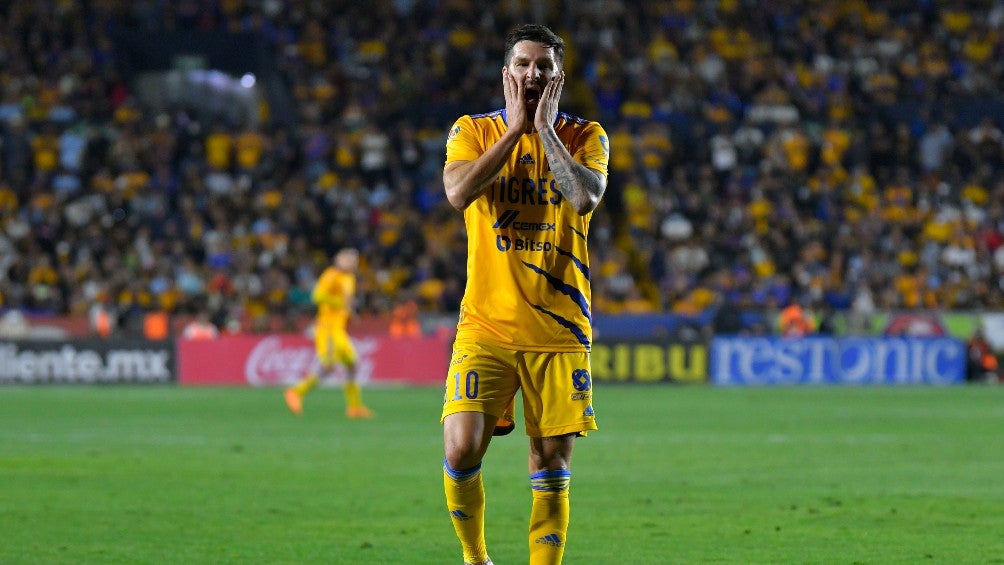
(333, 293)
(527, 259)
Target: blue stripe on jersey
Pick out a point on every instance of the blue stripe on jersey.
(577, 232)
(566, 289)
(463, 474)
(491, 114)
(582, 267)
(571, 118)
(579, 334)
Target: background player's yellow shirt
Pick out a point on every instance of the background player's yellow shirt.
(527, 262)
(333, 295)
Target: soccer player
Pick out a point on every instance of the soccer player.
(527, 178)
(333, 293)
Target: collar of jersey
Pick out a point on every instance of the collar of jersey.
(506, 122)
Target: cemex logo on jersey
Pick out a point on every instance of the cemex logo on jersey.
(508, 220)
(505, 219)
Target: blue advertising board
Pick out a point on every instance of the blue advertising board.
(828, 360)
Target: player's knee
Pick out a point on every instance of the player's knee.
(462, 454)
(466, 436)
(551, 453)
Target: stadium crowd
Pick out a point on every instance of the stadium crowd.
(840, 155)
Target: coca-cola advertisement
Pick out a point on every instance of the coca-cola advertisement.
(283, 359)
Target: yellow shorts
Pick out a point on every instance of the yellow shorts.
(556, 387)
(333, 345)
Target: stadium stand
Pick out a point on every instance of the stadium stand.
(840, 155)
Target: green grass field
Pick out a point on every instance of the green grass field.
(675, 475)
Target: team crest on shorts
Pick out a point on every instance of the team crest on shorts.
(581, 380)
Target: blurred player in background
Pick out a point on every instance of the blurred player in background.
(333, 293)
(527, 179)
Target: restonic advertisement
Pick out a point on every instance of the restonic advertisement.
(819, 360)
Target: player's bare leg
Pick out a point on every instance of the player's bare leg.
(466, 436)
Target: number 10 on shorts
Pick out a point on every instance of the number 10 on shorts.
(470, 386)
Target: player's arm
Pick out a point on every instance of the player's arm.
(466, 180)
(581, 186)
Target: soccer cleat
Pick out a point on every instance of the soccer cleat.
(485, 562)
(359, 412)
(294, 401)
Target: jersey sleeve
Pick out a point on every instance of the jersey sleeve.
(463, 142)
(594, 151)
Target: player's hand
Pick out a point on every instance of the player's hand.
(515, 102)
(547, 108)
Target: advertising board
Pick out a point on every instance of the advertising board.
(822, 360)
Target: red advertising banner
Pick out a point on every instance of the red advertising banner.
(283, 359)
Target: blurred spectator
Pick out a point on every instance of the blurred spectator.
(14, 325)
(200, 327)
(795, 321)
(404, 320)
(981, 363)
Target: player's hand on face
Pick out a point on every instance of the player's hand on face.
(547, 108)
(515, 101)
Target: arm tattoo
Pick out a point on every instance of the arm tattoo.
(579, 185)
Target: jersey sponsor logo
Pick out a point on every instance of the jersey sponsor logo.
(508, 219)
(534, 226)
(505, 219)
(581, 395)
(505, 243)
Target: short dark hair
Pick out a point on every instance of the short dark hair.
(539, 34)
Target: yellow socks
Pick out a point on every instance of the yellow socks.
(306, 385)
(549, 516)
(465, 499)
(353, 394)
